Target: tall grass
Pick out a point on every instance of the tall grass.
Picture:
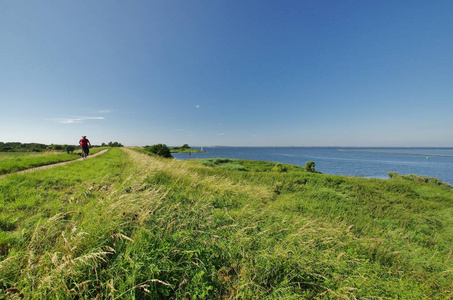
(127, 225)
(23, 161)
(56, 224)
(4, 155)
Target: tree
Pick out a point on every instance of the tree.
(113, 144)
(159, 149)
(310, 166)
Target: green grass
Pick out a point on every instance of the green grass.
(126, 225)
(6, 155)
(172, 150)
(224, 163)
(248, 165)
(55, 222)
(17, 161)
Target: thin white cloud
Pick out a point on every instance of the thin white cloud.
(197, 106)
(92, 118)
(68, 120)
(75, 120)
(106, 111)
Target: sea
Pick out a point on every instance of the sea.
(348, 161)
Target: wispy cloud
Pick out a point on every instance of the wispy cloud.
(197, 106)
(69, 120)
(93, 118)
(106, 111)
(75, 120)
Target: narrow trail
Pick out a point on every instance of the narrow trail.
(53, 165)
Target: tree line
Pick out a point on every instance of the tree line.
(111, 144)
(37, 147)
(23, 147)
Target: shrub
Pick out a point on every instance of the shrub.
(279, 168)
(310, 166)
(418, 178)
(182, 148)
(224, 163)
(393, 175)
(159, 149)
(113, 144)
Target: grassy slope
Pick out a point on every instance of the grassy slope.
(185, 151)
(138, 226)
(23, 161)
(55, 223)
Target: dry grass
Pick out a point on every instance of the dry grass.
(184, 171)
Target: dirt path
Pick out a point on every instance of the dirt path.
(53, 165)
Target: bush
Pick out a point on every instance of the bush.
(310, 166)
(19, 147)
(56, 147)
(419, 178)
(279, 168)
(112, 144)
(159, 149)
(224, 163)
(393, 175)
(183, 148)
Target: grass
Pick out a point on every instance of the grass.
(4, 155)
(54, 223)
(224, 163)
(172, 150)
(245, 165)
(17, 161)
(128, 225)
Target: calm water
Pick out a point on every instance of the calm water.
(370, 162)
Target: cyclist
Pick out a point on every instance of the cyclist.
(84, 142)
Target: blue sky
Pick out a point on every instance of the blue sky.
(246, 73)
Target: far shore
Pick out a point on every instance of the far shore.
(186, 151)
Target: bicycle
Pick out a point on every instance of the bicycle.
(84, 153)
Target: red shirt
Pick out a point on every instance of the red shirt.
(84, 142)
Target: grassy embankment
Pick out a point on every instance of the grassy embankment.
(140, 226)
(186, 151)
(11, 162)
